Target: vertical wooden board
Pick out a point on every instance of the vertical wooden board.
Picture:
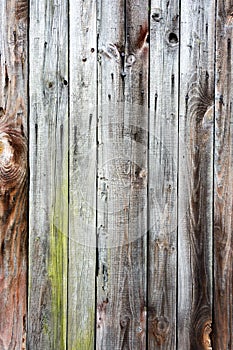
(48, 214)
(122, 174)
(13, 174)
(82, 174)
(196, 174)
(223, 190)
(163, 163)
(111, 33)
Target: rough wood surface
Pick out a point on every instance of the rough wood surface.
(196, 174)
(223, 181)
(13, 174)
(163, 163)
(122, 174)
(48, 216)
(82, 175)
(131, 163)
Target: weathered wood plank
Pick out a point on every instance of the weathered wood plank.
(13, 174)
(163, 162)
(223, 190)
(82, 174)
(196, 174)
(122, 174)
(48, 221)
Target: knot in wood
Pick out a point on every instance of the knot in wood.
(130, 60)
(124, 321)
(13, 158)
(6, 149)
(159, 326)
(156, 15)
(172, 39)
(206, 336)
(162, 325)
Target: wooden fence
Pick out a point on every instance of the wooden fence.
(116, 174)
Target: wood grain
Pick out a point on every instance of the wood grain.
(163, 163)
(13, 177)
(48, 215)
(196, 174)
(223, 190)
(122, 174)
(82, 175)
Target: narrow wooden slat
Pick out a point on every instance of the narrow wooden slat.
(196, 174)
(48, 221)
(82, 174)
(122, 174)
(223, 190)
(110, 99)
(163, 162)
(13, 174)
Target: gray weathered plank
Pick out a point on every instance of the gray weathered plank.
(163, 162)
(223, 181)
(13, 173)
(48, 216)
(82, 175)
(122, 174)
(196, 174)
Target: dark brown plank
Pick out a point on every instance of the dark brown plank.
(223, 189)
(196, 174)
(13, 174)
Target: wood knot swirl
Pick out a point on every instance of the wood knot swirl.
(13, 158)
(206, 336)
(159, 326)
(202, 328)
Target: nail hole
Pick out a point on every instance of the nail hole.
(84, 59)
(156, 17)
(173, 39)
(65, 82)
(92, 50)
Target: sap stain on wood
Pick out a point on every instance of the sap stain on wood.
(223, 199)
(13, 235)
(13, 178)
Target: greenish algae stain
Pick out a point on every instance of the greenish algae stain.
(58, 262)
(85, 338)
(58, 278)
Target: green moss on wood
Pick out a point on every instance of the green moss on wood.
(58, 262)
(85, 338)
(58, 278)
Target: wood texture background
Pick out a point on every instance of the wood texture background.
(116, 173)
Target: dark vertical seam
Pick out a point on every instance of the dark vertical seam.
(177, 182)
(125, 28)
(123, 57)
(148, 187)
(96, 194)
(213, 170)
(28, 172)
(68, 155)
